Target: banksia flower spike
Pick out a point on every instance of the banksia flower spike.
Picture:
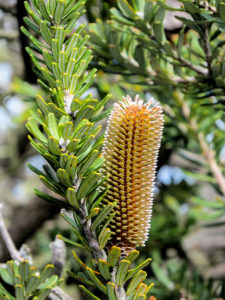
(130, 150)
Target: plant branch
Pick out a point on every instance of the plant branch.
(188, 64)
(58, 293)
(90, 235)
(208, 153)
(207, 47)
(120, 292)
(9, 34)
(14, 253)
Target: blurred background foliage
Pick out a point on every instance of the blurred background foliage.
(174, 51)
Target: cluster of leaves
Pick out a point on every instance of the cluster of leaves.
(26, 281)
(135, 42)
(65, 133)
(183, 68)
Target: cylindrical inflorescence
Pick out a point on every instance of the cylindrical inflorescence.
(131, 146)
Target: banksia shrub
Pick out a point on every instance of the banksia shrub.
(130, 150)
(107, 208)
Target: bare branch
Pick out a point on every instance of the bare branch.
(9, 34)
(90, 235)
(208, 153)
(58, 255)
(188, 64)
(7, 238)
(58, 293)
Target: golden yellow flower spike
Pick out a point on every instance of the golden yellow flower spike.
(130, 150)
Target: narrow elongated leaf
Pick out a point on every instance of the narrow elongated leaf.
(138, 268)
(113, 256)
(96, 281)
(135, 281)
(122, 272)
(88, 293)
(104, 214)
(104, 268)
(111, 291)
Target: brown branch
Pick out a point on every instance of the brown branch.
(9, 34)
(28, 219)
(90, 235)
(14, 253)
(199, 70)
(56, 292)
(208, 153)
(58, 250)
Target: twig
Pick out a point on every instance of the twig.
(207, 48)
(6, 7)
(90, 235)
(208, 153)
(120, 292)
(14, 253)
(58, 255)
(199, 70)
(9, 34)
(58, 293)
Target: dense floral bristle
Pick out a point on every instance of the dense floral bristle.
(132, 141)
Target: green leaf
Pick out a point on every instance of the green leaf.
(33, 283)
(42, 104)
(87, 185)
(207, 203)
(53, 146)
(81, 277)
(122, 272)
(31, 25)
(71, 196)
(45, 32)
(113, 256)
(46, 272)
(103, 267)
(104, 237)
(90, 160)
(103, 214)
(135, 281)
(87, 293)
(43, 10)
(96, 281)
(5, 293)
(24, 270)
(126, 9)
(59, 11)
(64, 177)
(141, 266)
(52, 126)
(33, 128)
(133, 255)
(20, 293)
(162, 276)
(44, 294)
(4, 274)
(201, 177)
(50, 199)
(111, 291)
(68, 241)
(49, 283)
(140, 291)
